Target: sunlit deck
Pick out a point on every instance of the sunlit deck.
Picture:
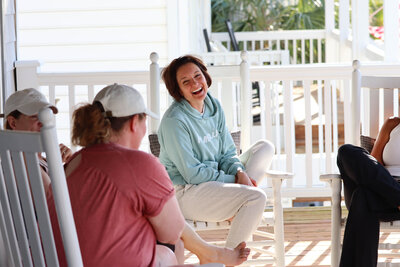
(307, 237)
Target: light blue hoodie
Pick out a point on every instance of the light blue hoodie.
(197, 148)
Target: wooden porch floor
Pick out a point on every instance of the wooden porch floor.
(307, 237)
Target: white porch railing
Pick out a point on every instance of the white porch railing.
(294, 99)
(258, 58)
(308, 43)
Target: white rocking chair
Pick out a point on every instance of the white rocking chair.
(24, 217)
(275, 218)
(371, 82)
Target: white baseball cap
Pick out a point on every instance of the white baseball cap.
(121, 100)
(28, 101)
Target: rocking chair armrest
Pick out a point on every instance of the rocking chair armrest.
(330, 177)
(335, 182)
(281, 175)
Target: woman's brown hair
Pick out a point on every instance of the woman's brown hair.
(169, 74)
(14, 114)
(91, 126)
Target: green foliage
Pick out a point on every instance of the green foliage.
(270, 15)
(376, 12)
(306, 15)
(264, 15)
(246, 15)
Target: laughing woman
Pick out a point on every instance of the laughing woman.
(212, 183)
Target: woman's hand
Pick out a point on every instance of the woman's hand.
(243, 178)
(253, 182)
(66, 153)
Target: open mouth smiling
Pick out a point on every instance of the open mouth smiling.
(197, 91)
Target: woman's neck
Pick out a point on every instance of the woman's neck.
(125, 139)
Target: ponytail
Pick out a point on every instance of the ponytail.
(90, 126)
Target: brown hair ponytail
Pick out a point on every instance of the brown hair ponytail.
(90, 126)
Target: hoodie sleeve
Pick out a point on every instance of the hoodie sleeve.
(176, 140)
(229, 161)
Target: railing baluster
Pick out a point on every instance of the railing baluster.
(277, 92)
(288, 126)
(395, 102)
(90, 93)
(347, 110)
(319, 50)
(308, 133)
(311, 51)
(71, 104)
(334, 118)
(328, 126)
(320, 120)
(52, 94)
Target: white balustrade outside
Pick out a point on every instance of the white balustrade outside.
(308, 43)
(258, 58)
(290, 95)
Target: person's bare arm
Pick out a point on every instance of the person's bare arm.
(383, 138)
(169, 223)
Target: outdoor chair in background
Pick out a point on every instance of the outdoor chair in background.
(273, 219)
(24, 217)
(373, 83)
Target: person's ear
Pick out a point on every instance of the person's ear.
(133, 122)
(12, 122)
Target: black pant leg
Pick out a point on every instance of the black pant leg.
(361, 236)
(358, 168)
(371, 195)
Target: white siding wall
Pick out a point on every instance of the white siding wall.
(9, 41)
(93, 35)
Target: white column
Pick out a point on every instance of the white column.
(154, 91)
(174, 36)
(245, 110)
(329, 15)
(360, 23)
(391, 23)
(330, 47)
(344, 25)
(27, 74)
(206, 14)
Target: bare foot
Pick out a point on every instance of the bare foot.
(227, 256)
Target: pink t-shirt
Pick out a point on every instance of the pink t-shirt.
(113, 191)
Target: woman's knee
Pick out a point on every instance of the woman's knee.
(265, 147)
(164, 256)
(347, 153)
(258, 196)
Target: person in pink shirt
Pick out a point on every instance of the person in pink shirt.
(122, 199)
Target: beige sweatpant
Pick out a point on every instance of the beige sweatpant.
(216, 201)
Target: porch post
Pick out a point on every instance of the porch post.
(27, 74)
(154, 91)
(330, 47)
(360, 23)
(344, 25)
(246, 119)
(391, 23)
(355, 106)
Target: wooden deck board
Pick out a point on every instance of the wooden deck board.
(307, 237)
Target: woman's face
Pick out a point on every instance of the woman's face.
(193, 85)
(25, 123)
